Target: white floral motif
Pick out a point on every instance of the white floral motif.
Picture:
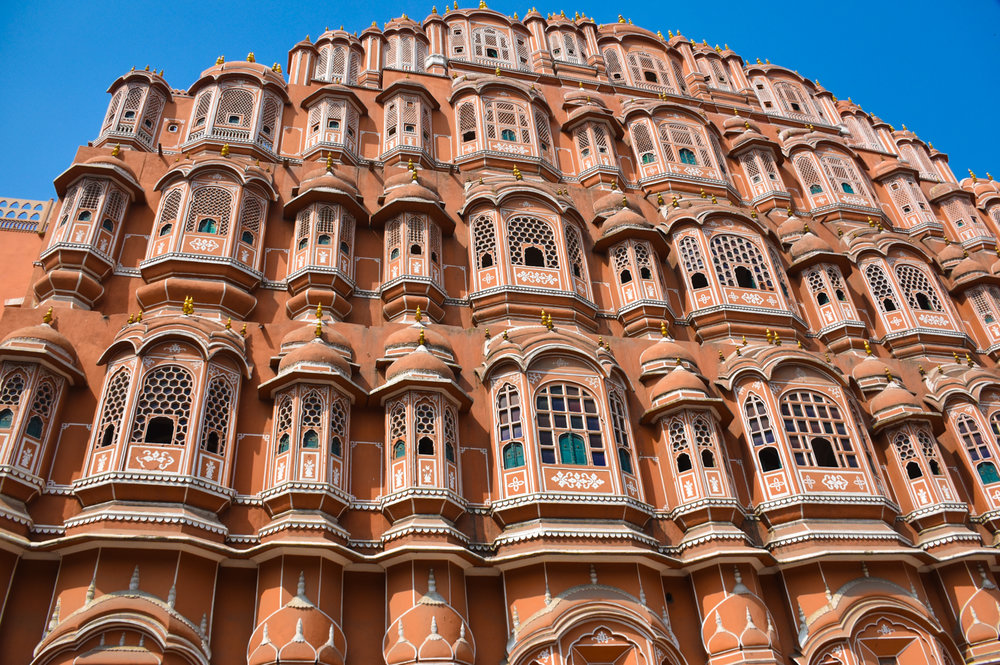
(204, 245)
(516, 483)
(536, 277)
(602, 637)
(544, 655)
(776, 484)
(26, 456)
(885, 629)
(160, 458)
(752, 298)
(336, 476)
(309, 468)
(861, 483)
(809, 482)
(210, 469)
(426, 476)
(834, 482)
(577, 480)
(101, 462)
(398, 478)
(280, 472)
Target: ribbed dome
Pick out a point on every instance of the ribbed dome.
(43, 333)
(665, 350)
(608, 204)
(315, 353)
(325, 179)
(951, 253)
(297, 633)
(112, 161)
(790, 227)
(408, 338)
(809, 243)
(893, 396)
(869, 368)
(409, 191)
(430, 630)
(307, 333)
(678, 378)
(420, 363)
(625, 218)
(967, 267)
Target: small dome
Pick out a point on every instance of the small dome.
(409, 191)
(299, 632)
(951, 253)
(43, 333)
(307, 333)
(315, 353)
(420, 363)
(894, 396)
(324, 179)
(790, 227)
(967, 267)
(678, 378)
(116, 162)
(430, 630)
(608, 204)
(809, 243)
(666, 350)
(408, 339)
(869, 368)
(406, 178)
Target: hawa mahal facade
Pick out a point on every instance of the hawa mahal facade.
(495, 339)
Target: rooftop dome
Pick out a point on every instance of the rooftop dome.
(43, 333)
(967, 267)
(666, 349)
(951, 253)
(315, 353)
(894, 396)
(868, 369)
(420, 363)
(408, 339)
(325, 178)
(307, 333)
(809, 243)
(679, 378)
(299, 632)
(114, 162)
(790, 227)
(430, 630)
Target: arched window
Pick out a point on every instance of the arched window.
(704, 435)
(648, 71)
(684, 143)
(169, 210)
(567, 417)
(693, 262)
(978, 449)
(467, 122)
(805, 165)
(679, 445)
(250, 218)
(528, 233)
(731, 252)
(508, 413)
(210, 210)
(491, 44)
(484, 241)
(425, 428)
(450, 435)
(311, 419)
(917, 288)
(34, 428)
(907, 456)
(881, 289)
(574, 251)
(761, 433)
(844, 175)
(397, 431)
(164, 406)
(620, 431)
(643, 143)
(817, 430)
(338, 428)
(6, 418)
(513, 455)
(13, 388)
(114, 407)
(235, 108)
(613, 64)
(930, 451)
(218, 406)
(337, 63)
(507, 121)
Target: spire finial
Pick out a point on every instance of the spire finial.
(229, 323)
(225, 150)
(421, 340)
(221, 59)
(319, 329)
(243, 330)
(300, 588)
(251, 57)
(431, 582)
(133, 583)
(329, 163)
(868, 348)
(188, 307)
(418, 316)
(663, 328)
(117, 150)
(47, 318)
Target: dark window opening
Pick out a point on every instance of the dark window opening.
(487, 260)
(795, 106)
(416, 250)
(283, 444)
(108, 226)
(840, 296)
(822, 298)
(923, 302)
(744, 278)
(6, 418)
(468, 136)
(492, 53)
(332, 124)
(34, 427)
(650, 76)
(165, 229)
(824, 454)
(935, 467)
(988, 473)
(310, 440)
(234, 120)
(683, 463)
(212, 443)
(847, 188)
(769, 459)
(508, 135)
(410, 128)
(815, 189)
(913, 471)
(534, 257)
(513, 456)
(434, 257)
(84, 216)
(645, 273)
(625, 277)
(335, 446)
(888, 305)
(449, 452)
(394, 254)
(398, 450)
(425, 446)
(345, 248)
(687, 156)
(707, 459)
(323, 240)
(159, 430)
(109, 436)
(647, 158)
(303, 243)
(246, 237)
(391, 131)
(625, 460)
(208, 226)
(699, 281)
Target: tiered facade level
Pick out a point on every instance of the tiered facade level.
(503, 340)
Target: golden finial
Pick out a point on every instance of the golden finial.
(131, 319)
(517, 173)
(319, 310)
(434, 9)
(548, 322)
(746, 124)
(504, 335)
(777, 340)
(497, 72)
(221, 59)
(516, 17)
(868, 348)
(319, 329)
(116, 150)
(955, 355)
(243, 330)
(670, 33)
(663, 328)
(725, 47)
(753, 214)
(138, 317)
(840, 233)
(487, 333)
(614, 185)
(482, 4)
(759, 62)
(659, 199)
(413, 175)
(769, 335)
(703, 194)
(989, 177)
(225, 150)
(717, 49)
(714, 200)
(329, 163)
(675, 203)
(229, 323)
(276, 68)
(624, 201)
(920, 368)
(888, 374)
(805, 228)
(968, 360)
(409, 165)
(973, 176)
(600, 342)
(418, 316)
(455, 5)
(188, 306)
(722, 356)
(704, 42)
(827, 355)
(798, 342)
(250, 57)
(562, 13)
(543, 317)
(904, 127)
(738, 352)
(871, 222)
(621, 19)
(421, 340)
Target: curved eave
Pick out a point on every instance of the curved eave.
(138, 341)
(903, 415)
(975, 279)
(338, 91)
(479, 86)
(820, 256)
(763, 363)
(742, 143)
(296, 375)
(405, 383)
(154, 80)
(35, 351)
(890, 167)
(517, 189)
(669, 406)
(245, 176)
(266, 81)
(651, 108)
(582, 114)
(327, 195)
(119, 175)
(432, 209)
(700, 214)
(404, 85)
(634, 231)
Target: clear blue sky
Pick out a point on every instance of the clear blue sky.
(930, 65)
